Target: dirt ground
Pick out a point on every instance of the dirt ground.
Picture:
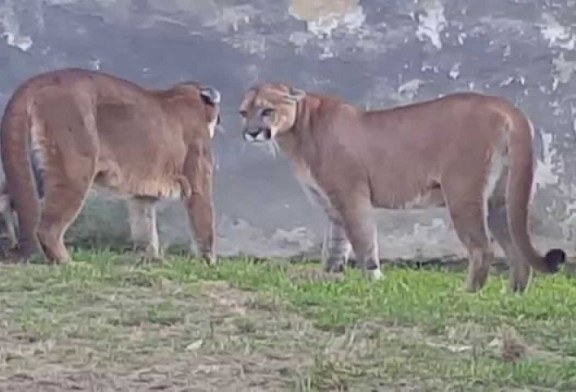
(221, 340)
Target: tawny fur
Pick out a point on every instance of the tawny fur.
(468, 152)
(86, 128)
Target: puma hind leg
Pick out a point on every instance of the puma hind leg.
(64, 197)
(466, 200)
(68, 150)
(520, 270)
(11, 227)
(468, 221)
(8, 216)
(338, 247)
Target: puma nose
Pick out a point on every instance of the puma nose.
(259, 133)
(252, 132)
(250, 135)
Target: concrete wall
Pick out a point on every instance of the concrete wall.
(372, 52)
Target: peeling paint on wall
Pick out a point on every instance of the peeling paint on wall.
(11, 29)
(323, 16)
(408, 91)
(563, 70)
(431, 22)
(556, 34)
(252, 44)
(455, 71)
(231, 19)
(547, 168)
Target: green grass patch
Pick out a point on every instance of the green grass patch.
(286, 327)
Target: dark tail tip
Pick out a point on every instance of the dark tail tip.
(554, 258)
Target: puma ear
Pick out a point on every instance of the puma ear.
(210, 95)
(295, 94)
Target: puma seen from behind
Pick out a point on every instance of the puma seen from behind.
(84, 128)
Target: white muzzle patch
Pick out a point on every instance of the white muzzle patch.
(259, 137)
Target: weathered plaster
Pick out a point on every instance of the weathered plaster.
(324, 16)
(11, 31)
(431, 22)
(370, 52)
(556, 34)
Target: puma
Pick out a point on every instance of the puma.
(468, 152)
(74, 129)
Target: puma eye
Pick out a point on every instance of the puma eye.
(267, 112)
(243, 113)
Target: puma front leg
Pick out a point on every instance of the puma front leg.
(360, 226)
(337, 245)
(198, 170)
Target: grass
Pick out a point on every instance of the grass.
(102, 323)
